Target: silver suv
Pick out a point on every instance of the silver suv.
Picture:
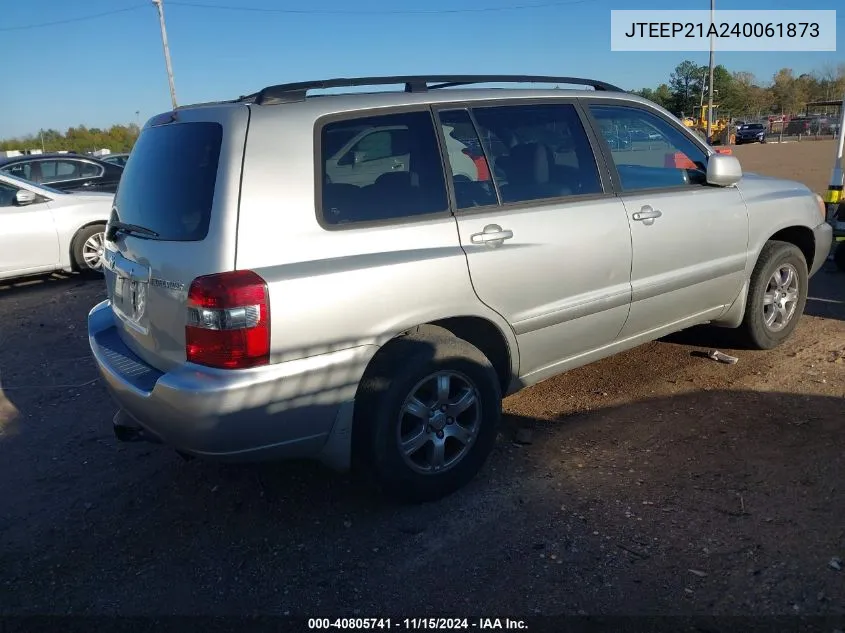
(360, 278)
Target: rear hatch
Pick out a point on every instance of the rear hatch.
(174, 219)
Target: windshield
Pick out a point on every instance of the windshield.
(14, 180)
(754, 126)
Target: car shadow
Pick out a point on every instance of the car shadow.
(827, 294)
(47, 283)
(615, 493)
(601, 511)
(826, 299)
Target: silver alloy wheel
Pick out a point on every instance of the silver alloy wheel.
(439, 421)
(781, 297)
(92, 250)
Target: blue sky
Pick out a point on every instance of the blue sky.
(101, 71)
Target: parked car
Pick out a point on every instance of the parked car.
(811, 125)
(116, 159)
(44, 229)
(750, 133)
(259, 310)
(67, 172)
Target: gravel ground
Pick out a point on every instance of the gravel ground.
(654, 482)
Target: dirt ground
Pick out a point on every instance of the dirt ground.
(654, 482)
(807, 161)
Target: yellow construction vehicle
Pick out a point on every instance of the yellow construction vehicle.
(698, 123)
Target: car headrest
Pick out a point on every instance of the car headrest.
(396, 179)
(529, 163)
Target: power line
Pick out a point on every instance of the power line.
(223, 7)
(518, 7)
(69, 20)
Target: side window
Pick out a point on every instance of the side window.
(470, 172)
(66, 170)
(90, 170)
(21, 170)
(538, 151)
(48, 170)
(7, 195)
(649, 152)
(377, 145)
(395, 169)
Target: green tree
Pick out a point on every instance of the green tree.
(725, 93)
(749, 100)
(685, 84)
(789, 93)
(662, 95)
(117, 138)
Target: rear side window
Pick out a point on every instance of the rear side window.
(169, 185)
(89, 170)
(538, 152)
(470, 171)
(380, 168)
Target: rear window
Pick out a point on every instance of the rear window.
(168, 186)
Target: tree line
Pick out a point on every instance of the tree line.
(741, 95)
(81, 139)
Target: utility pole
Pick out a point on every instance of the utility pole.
(160, 9)
(710, 91)
(41, 134)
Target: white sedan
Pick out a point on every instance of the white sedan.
(44, 229)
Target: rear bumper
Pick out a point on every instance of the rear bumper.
(823, 235)
(284, 410)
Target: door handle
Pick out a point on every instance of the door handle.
(647, 215)
(493, 235)
(398, 166)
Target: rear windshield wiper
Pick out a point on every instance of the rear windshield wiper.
(116, 227)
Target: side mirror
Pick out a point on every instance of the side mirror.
(24, 197)
(723, 170)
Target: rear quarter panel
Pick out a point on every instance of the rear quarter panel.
(340, 288)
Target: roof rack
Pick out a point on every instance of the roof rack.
(285, 93)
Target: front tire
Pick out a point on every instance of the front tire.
(88, 248)
(426, 415)
(776, 297)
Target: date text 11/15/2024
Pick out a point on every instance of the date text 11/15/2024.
(414, 624)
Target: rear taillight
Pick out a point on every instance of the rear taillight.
(228, 321)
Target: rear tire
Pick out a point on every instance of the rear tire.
(426, 415)
(87, 250)
(776, 297)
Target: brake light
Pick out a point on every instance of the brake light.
(228, 321)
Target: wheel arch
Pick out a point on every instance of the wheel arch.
(72, 243)
(489, 337)
(798, 235)
(496, 341)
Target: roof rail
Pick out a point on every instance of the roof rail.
(285, 93)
